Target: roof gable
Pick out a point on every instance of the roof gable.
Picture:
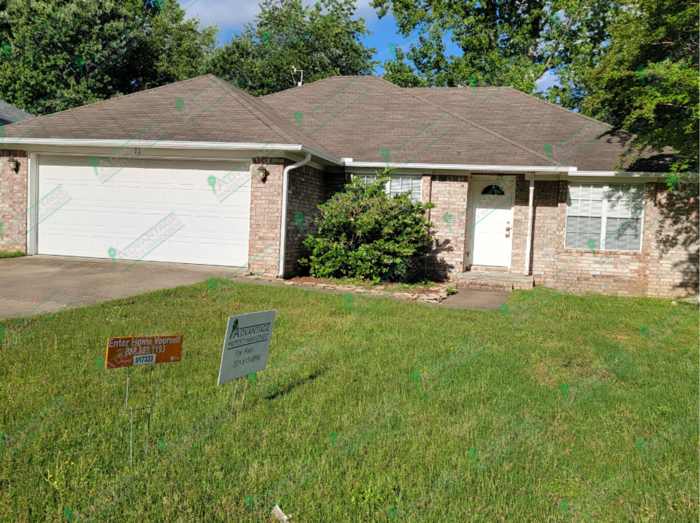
(202, 109)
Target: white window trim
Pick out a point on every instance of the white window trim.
(387, 187)
(604, 220)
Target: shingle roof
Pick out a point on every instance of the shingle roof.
(496, 126)
(532, 122)
(202, 109)
(365, 118)
(11, 114)
(360, 116)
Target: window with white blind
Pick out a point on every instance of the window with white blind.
(398, 185)
(604, 217)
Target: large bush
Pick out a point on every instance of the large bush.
(364, 233)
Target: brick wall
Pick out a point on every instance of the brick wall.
(449, 194)
(666, 266)
(673, 259)
(13, 202)
(519, 232)
(309, 187)
(265, 218)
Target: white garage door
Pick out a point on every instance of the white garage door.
(152, 210)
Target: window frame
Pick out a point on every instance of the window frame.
(604, 217)
(387, 186)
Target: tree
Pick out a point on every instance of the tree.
(649, 79)
(503, 42)
(322, 40)
(59, 55)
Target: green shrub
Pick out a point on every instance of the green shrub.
(364, 233)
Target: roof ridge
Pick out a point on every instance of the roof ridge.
(568, 111)
(250, 108)
(474, 124)
(283, 126)
(66, 111)
(313, 83)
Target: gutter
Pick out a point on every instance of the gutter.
(167, 144)
(285, 184)
(458, 167)
(528, 242)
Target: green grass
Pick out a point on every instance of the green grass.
(5, 254)
(366, 361)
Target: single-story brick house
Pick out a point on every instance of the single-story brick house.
(198, 171)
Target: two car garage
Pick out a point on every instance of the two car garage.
(122, 217)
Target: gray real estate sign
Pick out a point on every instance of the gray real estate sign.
(246, 345)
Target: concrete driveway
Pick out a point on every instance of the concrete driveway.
(54, 281)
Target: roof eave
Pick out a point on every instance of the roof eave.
(264, 148)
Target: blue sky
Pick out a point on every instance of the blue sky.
(230, 15)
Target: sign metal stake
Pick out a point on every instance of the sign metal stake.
(234, 393)
(131, 411)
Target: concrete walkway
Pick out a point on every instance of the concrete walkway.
(476, 299)
(48, 283)
(27, 282)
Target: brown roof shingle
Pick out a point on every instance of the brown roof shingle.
(202, 109)
(365, 118)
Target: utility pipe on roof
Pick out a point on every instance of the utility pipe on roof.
(528, 243)
(285, 184)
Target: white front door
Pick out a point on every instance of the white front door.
(493, 223)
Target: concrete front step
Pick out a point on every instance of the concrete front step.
(493, 281)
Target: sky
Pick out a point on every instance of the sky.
(230, 15)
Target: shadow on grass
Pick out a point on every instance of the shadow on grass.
(290, 386)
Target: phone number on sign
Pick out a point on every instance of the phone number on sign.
(137, 351)
(249, 359)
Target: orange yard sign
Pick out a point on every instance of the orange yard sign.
(143, 350)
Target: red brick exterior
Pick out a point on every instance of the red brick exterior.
(449, 194)
(265, 217)
(666, 266)
(308, 188)
(13, 202)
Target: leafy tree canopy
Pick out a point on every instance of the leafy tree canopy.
(60, 54)
(322, 40)
(502, 42)
(648, 78)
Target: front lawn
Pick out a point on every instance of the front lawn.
(457, 441)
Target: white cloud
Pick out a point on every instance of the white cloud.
(232, 14)
(222, 13)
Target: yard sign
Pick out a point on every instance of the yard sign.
(246, 345)
(143, 350)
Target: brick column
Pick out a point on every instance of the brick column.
(13, 202)
(265, 217)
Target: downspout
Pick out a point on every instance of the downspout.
(285, 184)
(528, 243)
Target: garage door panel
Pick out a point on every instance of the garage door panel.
(102, 219)
(155, 196)
(182, 197)
(76, 218)
(130, 221)
(133, 195)
(115, 214)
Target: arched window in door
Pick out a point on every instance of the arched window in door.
(493, 189)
